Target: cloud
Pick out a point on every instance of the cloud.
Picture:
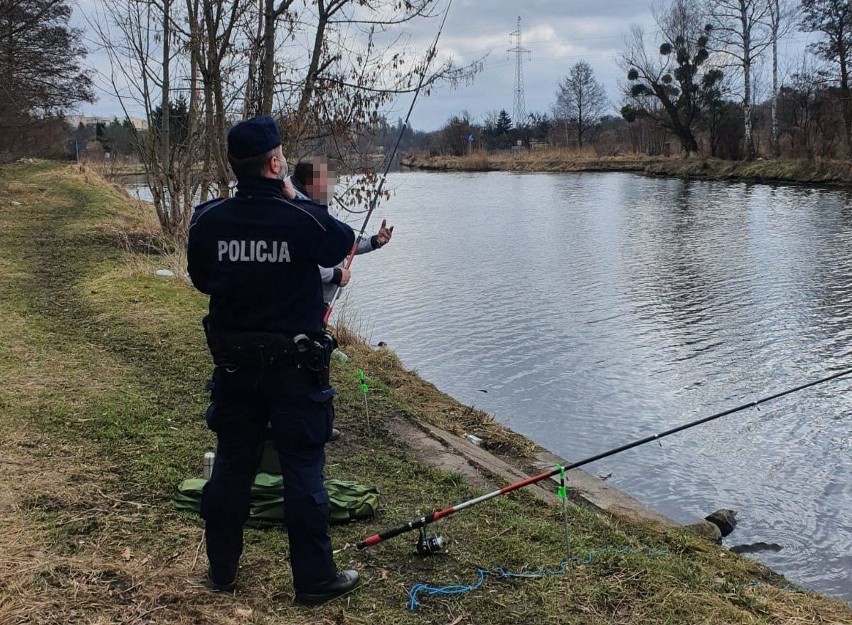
(557, 35)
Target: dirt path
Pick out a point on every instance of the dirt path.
(70, 552)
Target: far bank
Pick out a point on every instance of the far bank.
(824, 172)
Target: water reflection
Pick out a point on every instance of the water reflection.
(597, 308)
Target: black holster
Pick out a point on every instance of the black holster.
(313, 352)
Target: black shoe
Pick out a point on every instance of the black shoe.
(340, 585)
(219, 584)
(335, 434)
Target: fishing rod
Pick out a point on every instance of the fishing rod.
(429, 56)
(434, 544)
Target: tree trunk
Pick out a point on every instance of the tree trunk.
(215, 46)
(251, 100)
(219, 139)
(579, 126)
(194, 112)
(688, 143)
(775, 14)
(747, 109)
(165, 180)
(310, 79)
(164, 100)
(845, 103)
(681, 130)
(271, 14)
(268, 72)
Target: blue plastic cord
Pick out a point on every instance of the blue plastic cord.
(543, 571)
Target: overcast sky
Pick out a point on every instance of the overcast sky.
(558, 34)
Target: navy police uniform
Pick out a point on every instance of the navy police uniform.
(256, 255)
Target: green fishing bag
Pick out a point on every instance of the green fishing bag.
(347, 501)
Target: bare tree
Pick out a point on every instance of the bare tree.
(214, 31)
(580, 101)
(147, 60)
(335, 102)
(740, 27)
(833, 20)
(349, 79)
(324, 71)
(675, 76)
(780, 20)
(40, 66)
(798, 106)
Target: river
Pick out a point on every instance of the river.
(595, 309)
(587, 310)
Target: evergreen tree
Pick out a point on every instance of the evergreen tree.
(504, 123)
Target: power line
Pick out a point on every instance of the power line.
(519, 114)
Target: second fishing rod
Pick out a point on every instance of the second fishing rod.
(375, 197)
(434, 544)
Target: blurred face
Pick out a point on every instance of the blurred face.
(321, 185)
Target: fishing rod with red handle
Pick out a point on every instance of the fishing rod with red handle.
(429, 56)
(440, 514)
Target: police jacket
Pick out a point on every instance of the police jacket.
(257, 256)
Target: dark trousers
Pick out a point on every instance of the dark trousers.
(301, 415)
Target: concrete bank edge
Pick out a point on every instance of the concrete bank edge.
(442, 449)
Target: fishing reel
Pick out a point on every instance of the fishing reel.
(430, 545)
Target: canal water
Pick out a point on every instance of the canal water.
(588, 310)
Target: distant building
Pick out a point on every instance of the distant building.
(76, 120)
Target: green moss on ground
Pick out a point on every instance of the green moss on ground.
(101, 397)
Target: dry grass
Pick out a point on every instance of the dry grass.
(423, 401)
(110, 168)
(135, 228)
(797, 171)
(349, 326)
(543, 160)
(149, 253)
(562, 160)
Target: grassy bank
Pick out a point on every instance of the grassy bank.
(797, 171)
(101, 395)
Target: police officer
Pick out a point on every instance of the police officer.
(257, 256)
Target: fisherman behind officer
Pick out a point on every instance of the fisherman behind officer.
(257, 256)
(313, 179)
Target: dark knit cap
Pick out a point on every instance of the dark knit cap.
(253, 137)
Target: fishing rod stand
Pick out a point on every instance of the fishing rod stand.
(430, 545)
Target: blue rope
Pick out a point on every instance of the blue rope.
(542, 571)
